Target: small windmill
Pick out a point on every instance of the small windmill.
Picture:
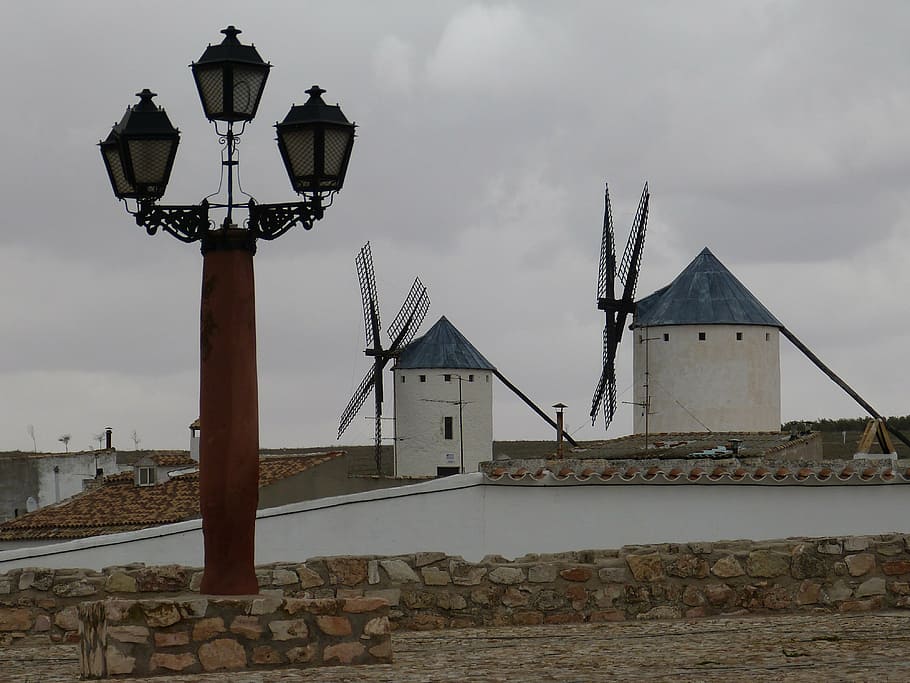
(401, 331)
(617, 310)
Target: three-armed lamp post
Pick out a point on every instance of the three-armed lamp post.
(315, 140)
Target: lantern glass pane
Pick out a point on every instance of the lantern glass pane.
(299, 147)
(150, 160)
(336, 145)
(115, 168)
(210, 82)
(248, 82)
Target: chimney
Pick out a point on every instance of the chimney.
(107, 437)
(560, 407)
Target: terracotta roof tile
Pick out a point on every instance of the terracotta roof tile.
(118, 505)
(687, 472)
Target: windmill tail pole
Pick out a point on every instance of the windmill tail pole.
(533, 407)
(841, 383)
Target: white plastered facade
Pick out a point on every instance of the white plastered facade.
(424, 445)
(707, 377)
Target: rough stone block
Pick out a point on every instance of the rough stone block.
(767, 564)
(423, 559)
(222, 654)
(399, 571)
(542, 573)
(348, 571)
(507, 575)
(855, 544)
(646, 567)
(861, 564)
(466, 574)
(873, 586)
(345, 653)
(171, 662)
(17, 619)
(896, 567)
(433, 576)
(688, 566)
(578, 574)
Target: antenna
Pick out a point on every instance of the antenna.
(617, 310)
(401, 331)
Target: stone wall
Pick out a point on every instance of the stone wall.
(194, 634)
(432, 590)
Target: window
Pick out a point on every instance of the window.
(470, 378)
(402, 379)
(447, 427)
(488, 379)
(446, 471)
(145, 476)
(447, 378)
(423, 378)
(767, 336)
(666, 336)
(739, 336)
(702, 336)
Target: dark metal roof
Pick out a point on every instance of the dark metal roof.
(442, 347)
(705, 293)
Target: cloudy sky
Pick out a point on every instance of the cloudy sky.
(775, 133)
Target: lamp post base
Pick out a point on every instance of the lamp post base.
(228, 415)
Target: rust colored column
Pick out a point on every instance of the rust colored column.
(228, 414)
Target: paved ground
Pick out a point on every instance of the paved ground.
(806, 648)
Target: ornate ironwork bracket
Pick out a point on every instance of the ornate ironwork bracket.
(270, 221)
(186, 223)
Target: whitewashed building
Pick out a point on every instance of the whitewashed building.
(706, 355)
(443, 405)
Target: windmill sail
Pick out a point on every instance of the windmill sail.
(617, 310)
(401, 331)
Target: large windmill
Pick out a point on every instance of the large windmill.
(401, 331)
(616, 309)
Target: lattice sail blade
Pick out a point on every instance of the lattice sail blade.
(367, 277)
(606, 386)
(606, 274)
(409, 318)
(357, 400)
(631, 258)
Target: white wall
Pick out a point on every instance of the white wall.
(461, 516)
(71, 471)
(420, 408)
(719, 384)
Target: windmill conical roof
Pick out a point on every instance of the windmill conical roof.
(705, 293)
(443, 346)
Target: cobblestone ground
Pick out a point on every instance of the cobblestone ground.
(868, 647)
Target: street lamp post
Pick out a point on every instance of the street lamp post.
(315, 141)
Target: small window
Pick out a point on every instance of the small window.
(423, 378)
(767, 336)
(447, 378)
(739, 336)
(702, 336)
(488, 379)
(446, 471)
(145, 476)
(470, 378)
(666, 336)
(402, 379)
(447, 427)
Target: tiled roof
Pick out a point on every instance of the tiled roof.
(442, 347)
(705, 293)
(119, 505)
(177, 459)
(574, 472)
